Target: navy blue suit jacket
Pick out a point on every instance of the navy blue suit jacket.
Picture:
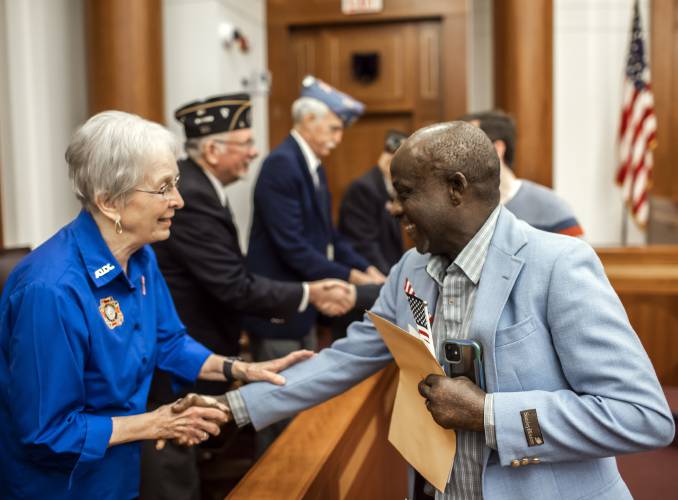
(291, 230)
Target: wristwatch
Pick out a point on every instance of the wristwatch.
(228, 367)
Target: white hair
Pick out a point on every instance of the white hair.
(308, 106)
(109, 153)
(195, 145)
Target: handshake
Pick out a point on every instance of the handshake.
(333, 297)
(192, 419)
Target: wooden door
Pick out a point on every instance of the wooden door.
(405, 94)
(422, 50)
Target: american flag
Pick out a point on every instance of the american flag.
(408, 287)
(419, 311)
(638, 128)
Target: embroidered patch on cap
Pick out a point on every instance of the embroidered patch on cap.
(110, 311)
(531, 428)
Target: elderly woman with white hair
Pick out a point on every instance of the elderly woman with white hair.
(87, 317)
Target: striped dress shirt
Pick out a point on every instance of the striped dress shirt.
(457, 285)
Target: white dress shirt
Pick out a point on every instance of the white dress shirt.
(312, 160)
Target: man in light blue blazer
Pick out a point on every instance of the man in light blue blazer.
(569, 385)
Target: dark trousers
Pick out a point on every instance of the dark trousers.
(170, 473)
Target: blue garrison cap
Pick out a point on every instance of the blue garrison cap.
(342, 105)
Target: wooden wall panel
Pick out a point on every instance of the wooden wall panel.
(300, 12)
(664, 68)
(431, 93)
(654, 317)
(124, 57)
(523, 69)
(392, 90)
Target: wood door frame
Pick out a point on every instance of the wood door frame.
(285, 15)
(664, 69)
(523, 81)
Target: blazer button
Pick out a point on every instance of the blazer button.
(525, 461)
(535, 460)
(515, 463)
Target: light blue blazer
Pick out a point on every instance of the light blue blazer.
(556, 339)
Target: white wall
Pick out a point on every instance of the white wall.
(590, 46)
(198, 66)
(481, 57)
(42, 99)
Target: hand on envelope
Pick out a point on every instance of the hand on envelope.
(454, 403)
(425, 445)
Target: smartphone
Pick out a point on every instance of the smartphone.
(464, 358)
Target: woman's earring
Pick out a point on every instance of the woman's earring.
(118, 225)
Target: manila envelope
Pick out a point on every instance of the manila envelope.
(425, 445)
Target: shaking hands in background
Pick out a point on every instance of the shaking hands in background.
(332, 297)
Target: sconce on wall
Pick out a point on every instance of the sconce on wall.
(231, 36)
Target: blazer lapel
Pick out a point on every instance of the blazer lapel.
(499, 275)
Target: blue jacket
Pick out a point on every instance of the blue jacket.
(79, 340)
(291, 231)
(556, 339)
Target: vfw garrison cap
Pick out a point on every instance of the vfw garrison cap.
(223, 113)
(343, 105)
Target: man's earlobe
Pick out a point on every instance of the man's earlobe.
(457, 185)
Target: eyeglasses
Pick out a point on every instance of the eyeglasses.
(248, 144)
(165, 190)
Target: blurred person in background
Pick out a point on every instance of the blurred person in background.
(537, 205)
(365, 215)
(293, 236)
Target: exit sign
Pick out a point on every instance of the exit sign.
(361, 6)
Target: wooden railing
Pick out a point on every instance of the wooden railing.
(646, 279)
(336, 450)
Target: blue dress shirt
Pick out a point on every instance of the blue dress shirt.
(79, 340)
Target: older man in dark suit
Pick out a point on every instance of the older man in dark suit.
(293, 236)
(365, 215)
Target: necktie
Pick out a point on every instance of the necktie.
(323, 197)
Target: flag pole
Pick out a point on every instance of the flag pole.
(624, 226)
